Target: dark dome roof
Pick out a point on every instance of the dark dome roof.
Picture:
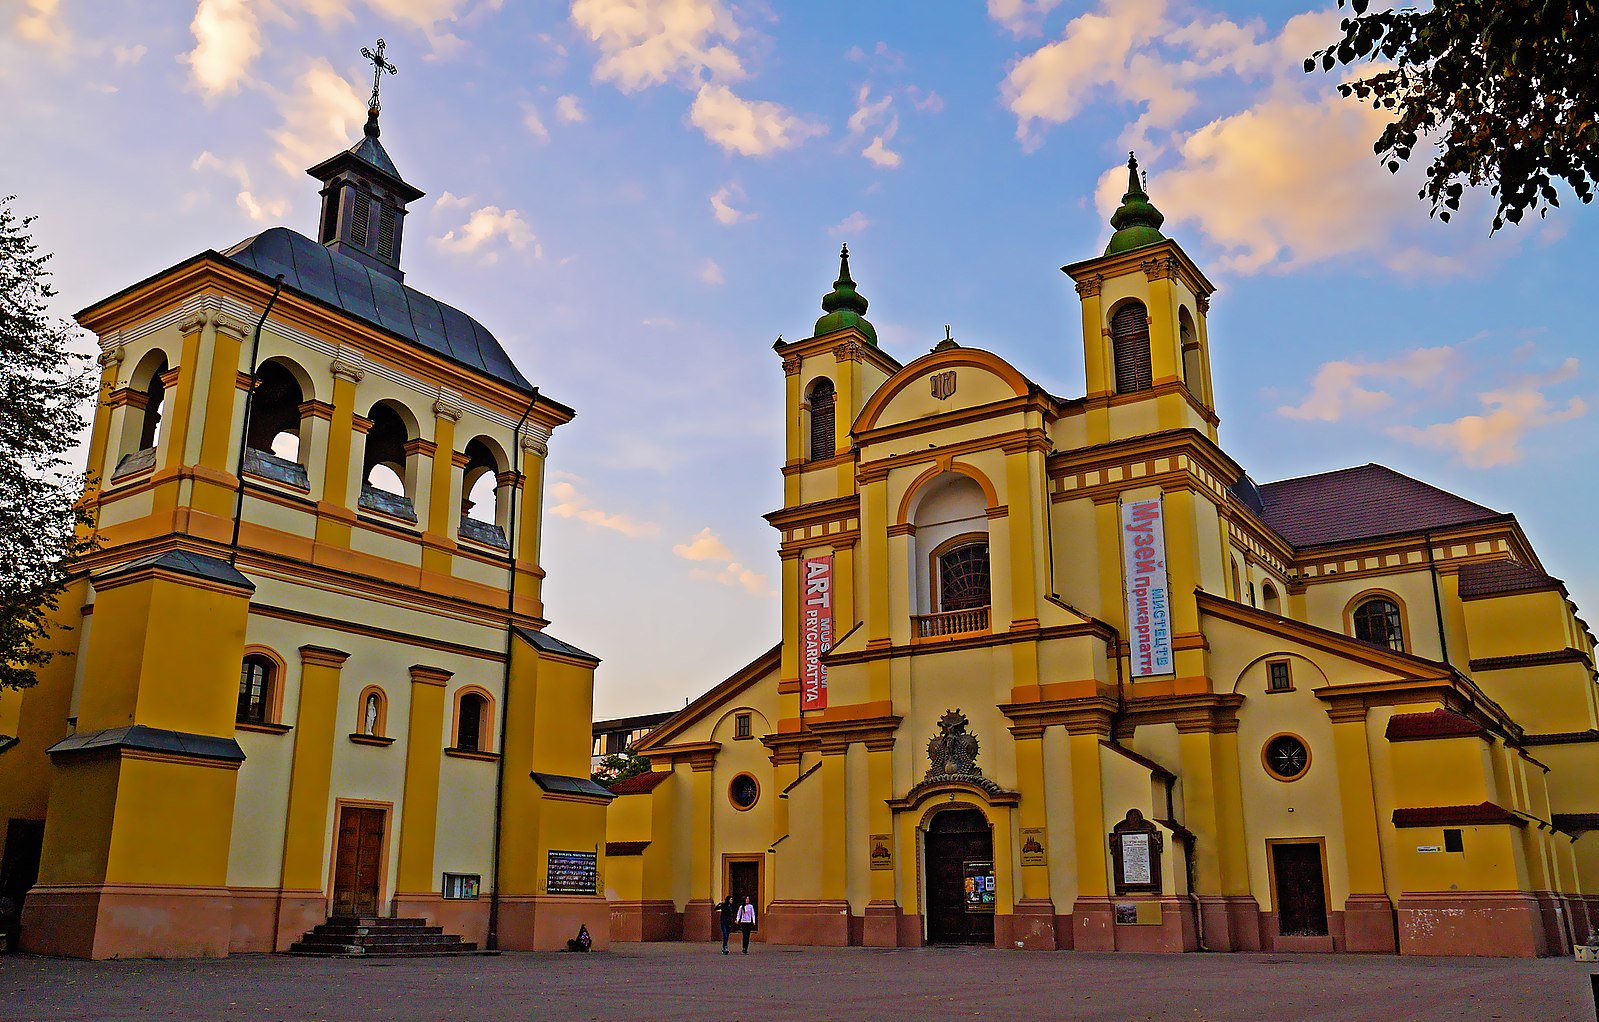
(326, 276)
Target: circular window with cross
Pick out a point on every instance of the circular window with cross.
(744, 792)
(1286, 757)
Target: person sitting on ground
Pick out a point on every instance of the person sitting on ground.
(582, 942)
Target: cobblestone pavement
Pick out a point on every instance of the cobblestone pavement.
(645, 982)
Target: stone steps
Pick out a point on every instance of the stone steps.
(377, 937)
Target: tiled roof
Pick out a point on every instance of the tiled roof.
(1573, 823)
(1453, 816)
(1501, 578)
(1410, 727)
(625, 847)
(1361, 503)
(639, 783)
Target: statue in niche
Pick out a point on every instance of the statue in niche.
(369, 725)
(953, 751)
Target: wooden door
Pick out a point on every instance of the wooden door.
(1301, 893)
(744, 881)
(19, 871)
(358, 866)
(959, 856)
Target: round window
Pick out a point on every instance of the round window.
(1286, 757)
(744, 791)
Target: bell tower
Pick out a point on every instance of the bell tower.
(1145, 343)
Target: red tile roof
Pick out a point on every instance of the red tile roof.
(1457, 816)
(1502, 578)
(1574, 823)
(1411, 727)
(638, 783)
(1361, 503)
(626, 847)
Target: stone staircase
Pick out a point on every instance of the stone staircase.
(378, 937)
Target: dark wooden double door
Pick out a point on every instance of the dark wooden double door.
(358, 861)
(1301, 890)
(959, 854)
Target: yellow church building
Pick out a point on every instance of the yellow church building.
(309, 675)
(1057, 674)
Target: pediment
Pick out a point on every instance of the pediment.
(940, 383)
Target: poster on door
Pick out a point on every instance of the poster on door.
(816, 629)
(978, 884)
(1148, 593)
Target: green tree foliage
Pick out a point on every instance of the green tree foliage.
(619, 766)
(1505, 91)
(44, 387)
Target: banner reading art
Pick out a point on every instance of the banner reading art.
(1148, 595)
(816, 629)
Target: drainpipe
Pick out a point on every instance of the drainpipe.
(1437, 600)
(244, 434)
(493, 940)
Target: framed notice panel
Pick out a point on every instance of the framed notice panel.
(572, 873)
(978, 881)
(1135, 847)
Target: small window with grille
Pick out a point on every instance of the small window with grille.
(386, 218)
(360, 211)
(823, 442)
(1129, 342)
(1378, 622)
(741, 726)
(1277, 677)
(963, 582)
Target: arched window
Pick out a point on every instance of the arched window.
(472, 722)
(1129, 343)
(1271, 604)
(963, 577)
(1193, 370)
(1378, 622)
(154, 398)
(257, 679)
(824, 438)
(275, 412)
(486, 485)
(385, 449)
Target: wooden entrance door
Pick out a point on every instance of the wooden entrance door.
(1301, 893)
(744, 881)
(959, 856)
(358, 865)
(19, 871)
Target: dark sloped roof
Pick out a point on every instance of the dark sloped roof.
(1502, 578)
(153, 739)
(1362, 503)
(317, 272)
(562, 784)
(550, 644)
(1456, 816)
(186, 562)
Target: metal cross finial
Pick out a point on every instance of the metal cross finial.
(947, 337)
(379, 65)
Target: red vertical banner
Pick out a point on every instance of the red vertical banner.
(816, 629)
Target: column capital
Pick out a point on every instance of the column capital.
(536, 439)
(421, 674)
(1089, 287)
(791, 365)
(348, 364)
(449, 405)
(322, 656)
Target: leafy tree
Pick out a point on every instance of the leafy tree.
(43, 388)
(619, 766)
(1506, 91)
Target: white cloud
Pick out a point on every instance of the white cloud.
(568, 502)
(1508, 414)
(738, 576)
(227, 40)
(1021, 17)
(879, 153)
(710, 273)
(868, 113)
(1345, 388)
(705, 546)
(127, 56)
(722, 205)
(533, 123)
(927, 102)
(321, 116)
(258, 210)
(569, 110)
(651, 42)
(485, 229)
(748, 127)
(855, 223)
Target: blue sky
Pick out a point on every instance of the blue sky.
(639, 196)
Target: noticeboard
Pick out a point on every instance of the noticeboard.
(572, 873)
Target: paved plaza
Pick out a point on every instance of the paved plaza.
(669, 981)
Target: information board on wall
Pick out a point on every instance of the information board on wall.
(1148, 593)
(816, 629)
(572, 873)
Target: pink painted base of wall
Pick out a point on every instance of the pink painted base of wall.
(880, 925)
(1032, 927)
(1369, 926)
(815, 923)
(467, 918)
(912, 931)
(644, 921)
(1232, 923)
(700, 923)
(1174, 934)
(1492, 924)
(127, 921)
(1332, 940)
(1093, 925)
(545, 922)
(298, 913)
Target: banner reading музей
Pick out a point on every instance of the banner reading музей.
(816, 629)
(1148, 596)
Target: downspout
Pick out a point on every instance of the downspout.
(493, 940)
(1437, 600)
(244, 433)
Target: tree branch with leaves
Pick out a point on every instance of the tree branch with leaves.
(44, 388)
(1505, 92)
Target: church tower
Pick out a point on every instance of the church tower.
(310, 675)
(1144, 336)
